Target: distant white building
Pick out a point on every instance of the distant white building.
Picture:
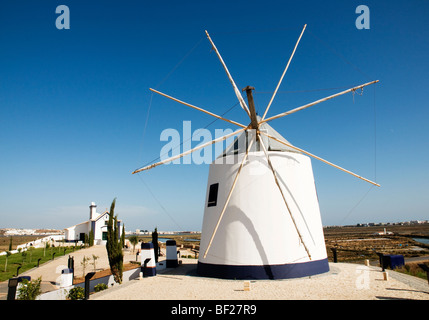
(97, 222)
(382, 233)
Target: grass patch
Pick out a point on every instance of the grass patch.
(28, 260)
(413, 269)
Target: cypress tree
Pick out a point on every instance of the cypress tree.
(155, 243)
(113, 245)
(91, 238)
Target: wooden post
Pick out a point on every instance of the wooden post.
(334, 252)
(12, 284)
(88, 277)
(246, 285)
(385, 276)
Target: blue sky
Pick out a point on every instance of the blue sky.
(74, 104)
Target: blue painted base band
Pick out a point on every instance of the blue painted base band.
(148, 272)
(283, 271)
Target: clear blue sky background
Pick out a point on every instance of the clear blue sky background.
(74, 103)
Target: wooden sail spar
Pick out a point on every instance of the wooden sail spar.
(237, 92)
(284, 72)
(197, 108)
(189, 151)
(318, 101)
(302, 213)
(318, 158)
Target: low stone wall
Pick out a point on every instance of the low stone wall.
(61, 294)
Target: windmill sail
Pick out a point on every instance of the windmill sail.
(262, 217)
(236, 91)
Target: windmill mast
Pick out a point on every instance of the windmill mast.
(253, 119)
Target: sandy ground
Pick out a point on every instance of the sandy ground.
(344, 281)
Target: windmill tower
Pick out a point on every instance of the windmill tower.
(262, 217)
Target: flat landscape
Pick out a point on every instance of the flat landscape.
(361, 243)
(353, 244)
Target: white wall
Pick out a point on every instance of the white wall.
(61, 294)
(256, 228)
(73, 233)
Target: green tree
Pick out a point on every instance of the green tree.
(84, 264)
(94, 258)
(29, 290)
(123, 236)
(113, 245)
(155, 244)
(10, 243)
(24, 256)
(134, 240)
(91, 238)
(7, 256)
(30, 250)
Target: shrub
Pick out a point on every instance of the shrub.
(100, 287)
(76, 293)
(412, 269)
(29, 290)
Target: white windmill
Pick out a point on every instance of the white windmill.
(262, 217)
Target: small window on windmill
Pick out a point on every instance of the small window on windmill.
(235, 148)
(212, 201)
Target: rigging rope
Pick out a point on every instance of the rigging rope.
(339, 55)
(263, 92)
(160, 204)
(375, 161)
(147, 121)
(209, 124)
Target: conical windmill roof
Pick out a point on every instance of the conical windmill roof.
(240, 142)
